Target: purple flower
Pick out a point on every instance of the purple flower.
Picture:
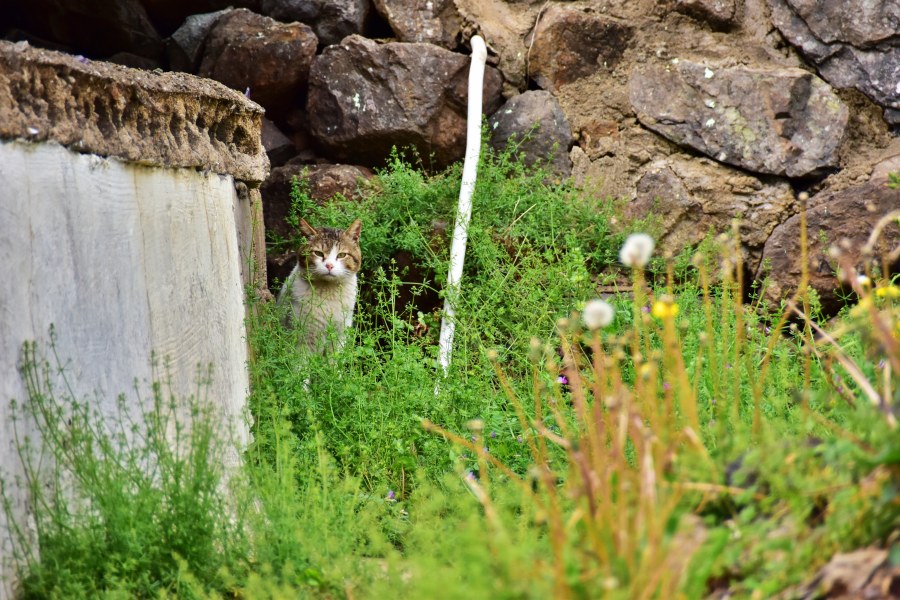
(470, 475)
(768, 331)
(727, 365)
(82, 59)
(666, 386)
(881, 364)
(391, 496)
(645, 309)
(519, 439)
(562, 379)
(493, 434)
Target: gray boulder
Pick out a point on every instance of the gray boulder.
(853, 43)
(535, 121)
(778, 121)
(185, 47)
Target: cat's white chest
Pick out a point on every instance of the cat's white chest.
(322, 310)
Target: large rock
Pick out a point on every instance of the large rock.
(854, 43)
(778, 121)
(185, 47)
(569, 44)
(332, 20)
(365, 98)
(850, 215)
(504, 26)
(245, 50)
(93, 27)
(535, 121)
(861, 23)
(718, 13)
(689, 198)
(435, 22)
(169, 15)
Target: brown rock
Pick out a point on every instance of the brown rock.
(569, 44)
(850, 215)
(779, 121)
(690, 198)
(435, 22)
(862, 574)
(365, 98)
(332, 20)
(105, 109)
(718, 13)
(271, 59)
(504, 26)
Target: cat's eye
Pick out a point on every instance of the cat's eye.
(342, 255)
(319, 254)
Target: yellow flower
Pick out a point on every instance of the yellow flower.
(862, 307)
(891, 291)
(664, 308)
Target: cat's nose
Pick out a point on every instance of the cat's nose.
(329, 266)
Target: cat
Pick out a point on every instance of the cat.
(321, 289)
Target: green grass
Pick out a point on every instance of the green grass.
(715, 446)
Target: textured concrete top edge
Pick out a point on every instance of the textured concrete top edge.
(148, 117)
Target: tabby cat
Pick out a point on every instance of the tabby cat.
(322, 287)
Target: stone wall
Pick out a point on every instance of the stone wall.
(129, 221)
(696, 112)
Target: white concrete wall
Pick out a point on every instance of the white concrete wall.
(123, 260)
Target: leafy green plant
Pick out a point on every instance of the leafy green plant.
(121, 504)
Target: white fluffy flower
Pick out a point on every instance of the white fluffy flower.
(636, 250)
(597, 314)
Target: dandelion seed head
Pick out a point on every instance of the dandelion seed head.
(636, 250)
(597, 314)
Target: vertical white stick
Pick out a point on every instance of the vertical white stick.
(464, 212)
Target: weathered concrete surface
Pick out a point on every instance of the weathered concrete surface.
(162, 119)
(145, 251)
(122, 260)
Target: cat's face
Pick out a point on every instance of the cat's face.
(331, 254)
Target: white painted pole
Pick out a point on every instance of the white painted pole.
(464, 212)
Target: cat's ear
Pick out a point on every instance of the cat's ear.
(307, 229)
(354, 229)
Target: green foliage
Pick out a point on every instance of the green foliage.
(699, 442)
(121, 505)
